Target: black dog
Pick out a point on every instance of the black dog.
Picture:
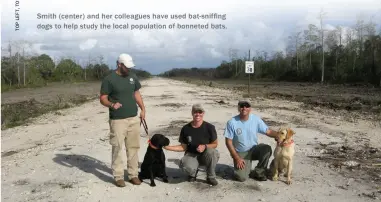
(154, 160)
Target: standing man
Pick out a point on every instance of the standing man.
(120, 93)
(242, 142)
(199, 141)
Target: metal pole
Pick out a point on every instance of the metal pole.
(248, 86)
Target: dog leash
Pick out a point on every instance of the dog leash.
(143, 121)
(146, 129)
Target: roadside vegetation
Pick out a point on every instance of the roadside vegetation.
(339, 69)
(32, 85)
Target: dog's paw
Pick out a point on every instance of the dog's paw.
(152, 185)
(288, 181)
(165, 180)
(275, 178)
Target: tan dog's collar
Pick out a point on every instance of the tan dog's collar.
(151, 145)
(286, 144)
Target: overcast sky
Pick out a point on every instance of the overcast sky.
(251, 24)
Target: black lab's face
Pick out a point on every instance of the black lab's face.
(159, 140)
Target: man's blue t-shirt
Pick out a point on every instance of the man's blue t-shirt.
(244, 133)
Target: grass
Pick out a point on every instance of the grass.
(7, 88)
(361, 101)
(21, 105)
(16, 114)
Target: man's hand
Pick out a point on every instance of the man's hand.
(272, 133)
(201, 148)
(240, 163)
(142, 114)
(116, 105)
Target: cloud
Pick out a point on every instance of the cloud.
(88, 44)
(254, 25)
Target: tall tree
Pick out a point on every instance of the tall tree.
(311, 38)
(294, 44)
(321, 16)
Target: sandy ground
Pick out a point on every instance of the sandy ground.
(66, 156)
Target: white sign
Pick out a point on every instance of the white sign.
(249, 67)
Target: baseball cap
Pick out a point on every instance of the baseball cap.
(126, 59)
(244, 102)
(197, 107)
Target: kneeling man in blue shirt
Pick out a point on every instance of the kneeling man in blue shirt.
(242, 143)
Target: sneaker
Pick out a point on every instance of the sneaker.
(191, 179)
(212, 181)
(120, 183)
(135, 181)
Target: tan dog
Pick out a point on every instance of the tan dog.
(283, 155)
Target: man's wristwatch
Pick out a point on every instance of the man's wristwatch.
(111, 105)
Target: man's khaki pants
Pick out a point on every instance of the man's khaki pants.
(127, 132)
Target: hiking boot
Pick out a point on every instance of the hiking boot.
(261, 178)
(120, 183)
(135, 181)
(191, 179)
(212, 181)
(258, 177)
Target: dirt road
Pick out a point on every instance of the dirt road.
(66, 156)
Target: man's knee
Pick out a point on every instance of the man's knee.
(187, 165)
(116, 140)
(240, 177)
(213, 153)
(266, 150)
(132, 153)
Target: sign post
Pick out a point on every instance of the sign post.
(249, 69)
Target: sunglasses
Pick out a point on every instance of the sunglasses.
(244, 105)
(197, 112)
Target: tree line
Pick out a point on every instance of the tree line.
(19, 69)
(313, 54)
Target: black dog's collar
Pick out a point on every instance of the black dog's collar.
(151, 145)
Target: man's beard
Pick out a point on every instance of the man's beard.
(123, 72)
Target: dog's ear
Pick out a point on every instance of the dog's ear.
(290, 132)
(166, 142)
(283, 129)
